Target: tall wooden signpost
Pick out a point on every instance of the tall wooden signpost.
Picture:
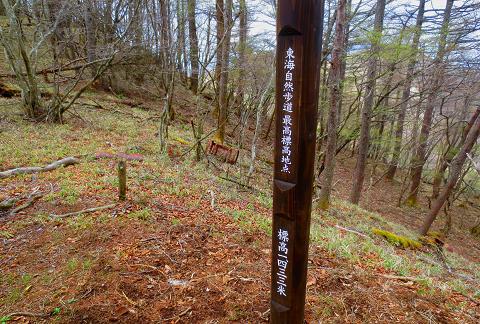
(299, 34)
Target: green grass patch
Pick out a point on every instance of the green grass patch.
(144, 214)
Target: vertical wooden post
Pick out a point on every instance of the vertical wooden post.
(122, 180)
(299, 34)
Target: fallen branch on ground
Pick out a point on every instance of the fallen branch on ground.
(351, 231)
(197, 142)
(32, 198)
(237, 182)
(449, 270)
(85, 211)
(178, 316)
(211, 276)
(8, 203)
(52, 166)
(28, 314)
(111, 110)
(400, 277)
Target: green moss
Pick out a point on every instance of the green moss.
(433, 238)
(6, 235)
(434, 234)
(411, 202)
(475, 231)
(397, 240)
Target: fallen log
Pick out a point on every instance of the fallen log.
(52, 166)
(85, 211)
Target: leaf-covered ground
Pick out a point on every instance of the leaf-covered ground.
(188, 246)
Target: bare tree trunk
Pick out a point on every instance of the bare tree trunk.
(21, 63)
(335, 93)
(418, 161)
(382, 105)
(243, 110)
(91, 42)
(344, 61)
(220, 21)
(446, 158)
(223, 84)
(207, 57)
(406, 92)
(364, 140)
(192, 35)
(242, 46)
(165, 52)
(165, 33)
(324, 79)
(136, 9)
(415, 128)
(163, 127)
(438, 176)
(455, 171)
(261, 108)
(181, 58)
(109, 25)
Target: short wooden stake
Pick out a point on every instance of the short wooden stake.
(122, 180)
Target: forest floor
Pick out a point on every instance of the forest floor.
(189, 246)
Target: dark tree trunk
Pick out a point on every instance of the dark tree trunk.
(220, 21)
(438, 177)
(242, 46)
(223, 69)
(181, 47)
(364, 140)
(192, 35)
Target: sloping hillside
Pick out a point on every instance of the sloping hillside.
(189, 246)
